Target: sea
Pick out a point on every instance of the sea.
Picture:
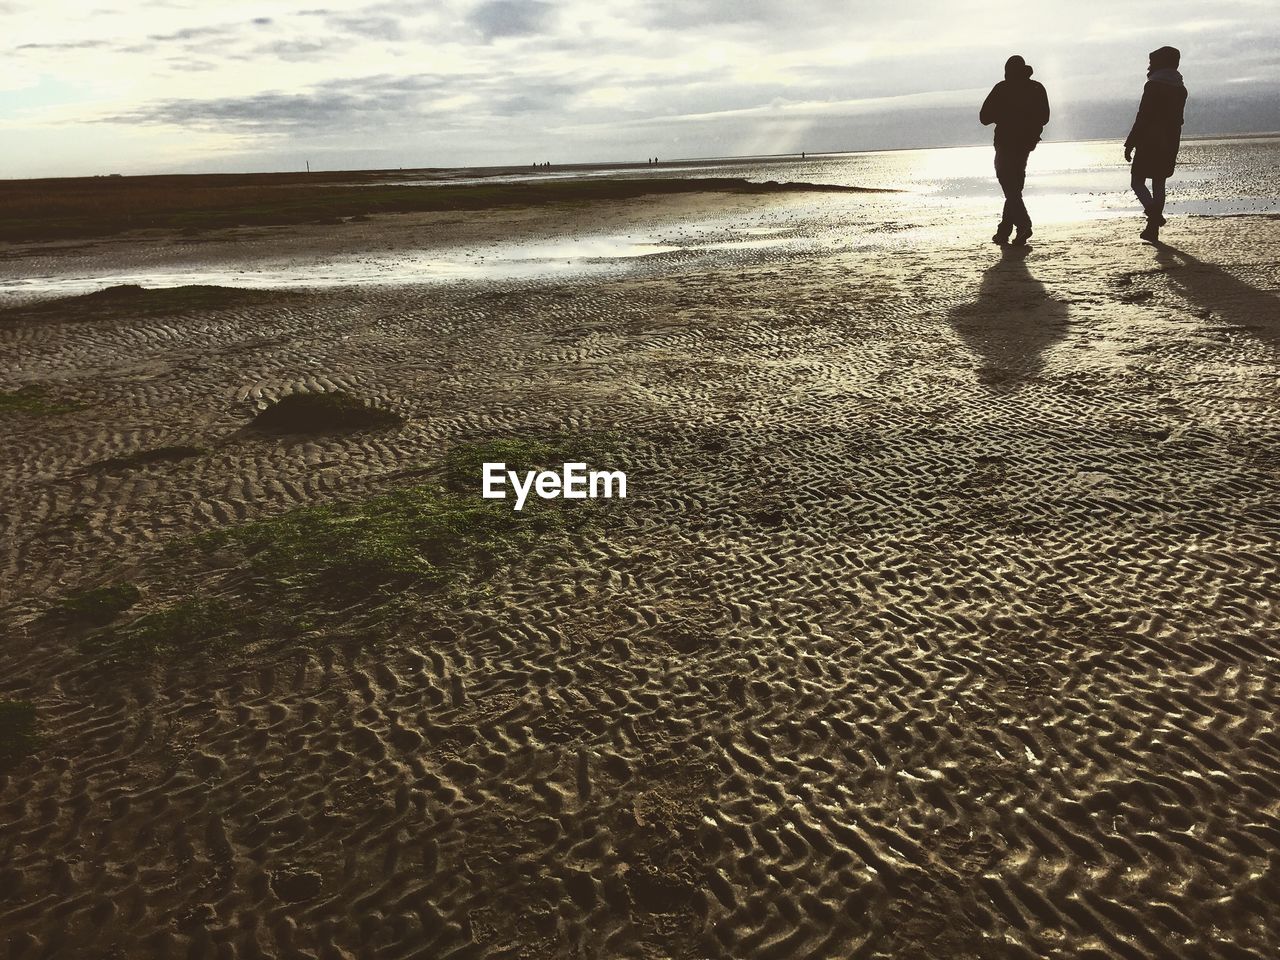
(931, 195)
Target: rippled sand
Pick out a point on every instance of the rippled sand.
(941, 621)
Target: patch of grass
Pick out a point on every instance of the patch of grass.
(145, 457)
(330, 412)
(98, 605)
(427, 534)
(313, 561)
(420, 535)
(191, 628)
(18, 737)
(361, 564)
(32, 402)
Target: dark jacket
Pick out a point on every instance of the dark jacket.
(1019, 109)
(1157, 130)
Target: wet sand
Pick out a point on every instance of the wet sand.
(940, 620)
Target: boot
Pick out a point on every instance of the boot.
(1023, 235)
(1002, 234)
(1152, 233)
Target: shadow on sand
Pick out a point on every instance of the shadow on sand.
(1216, 292)
(1011, 324)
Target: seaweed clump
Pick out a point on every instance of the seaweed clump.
(330, 412)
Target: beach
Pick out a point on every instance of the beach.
(939, 619)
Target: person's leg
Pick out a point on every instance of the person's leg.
(1011, 171)
(1157, 190)
(1139, 184)
(1018, 177)
(1153, 205)
(1006, 224)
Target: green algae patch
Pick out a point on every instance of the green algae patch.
(349, 569)
(32, 402)
(97, 605)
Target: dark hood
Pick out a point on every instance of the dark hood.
(1015, 68)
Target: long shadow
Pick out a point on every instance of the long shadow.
(1221, 294)
(1011, 323)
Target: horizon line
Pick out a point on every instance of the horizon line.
(597, 164)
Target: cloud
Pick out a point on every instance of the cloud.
(190, 33)
(511, 18)
(477, 81)
(66, 45)
(299, 50)
(376, 28)
(357, 105)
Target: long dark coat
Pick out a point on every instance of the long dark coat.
(1157, 130)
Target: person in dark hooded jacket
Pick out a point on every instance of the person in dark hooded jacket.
(1019, 107)
(1153, 143)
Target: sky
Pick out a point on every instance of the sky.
(174, 86)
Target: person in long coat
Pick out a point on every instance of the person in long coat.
(1019, 107)
(1152, 146)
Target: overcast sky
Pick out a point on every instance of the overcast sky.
(171, 85)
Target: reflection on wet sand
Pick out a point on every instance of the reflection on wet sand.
(585, 255)
(947, 194)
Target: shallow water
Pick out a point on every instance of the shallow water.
(592, 255)
(1067, 181)
(944, 191)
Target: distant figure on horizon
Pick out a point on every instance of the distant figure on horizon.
(1156, 136)
(1019, 107)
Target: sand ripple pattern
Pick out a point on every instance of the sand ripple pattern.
(942, 623)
